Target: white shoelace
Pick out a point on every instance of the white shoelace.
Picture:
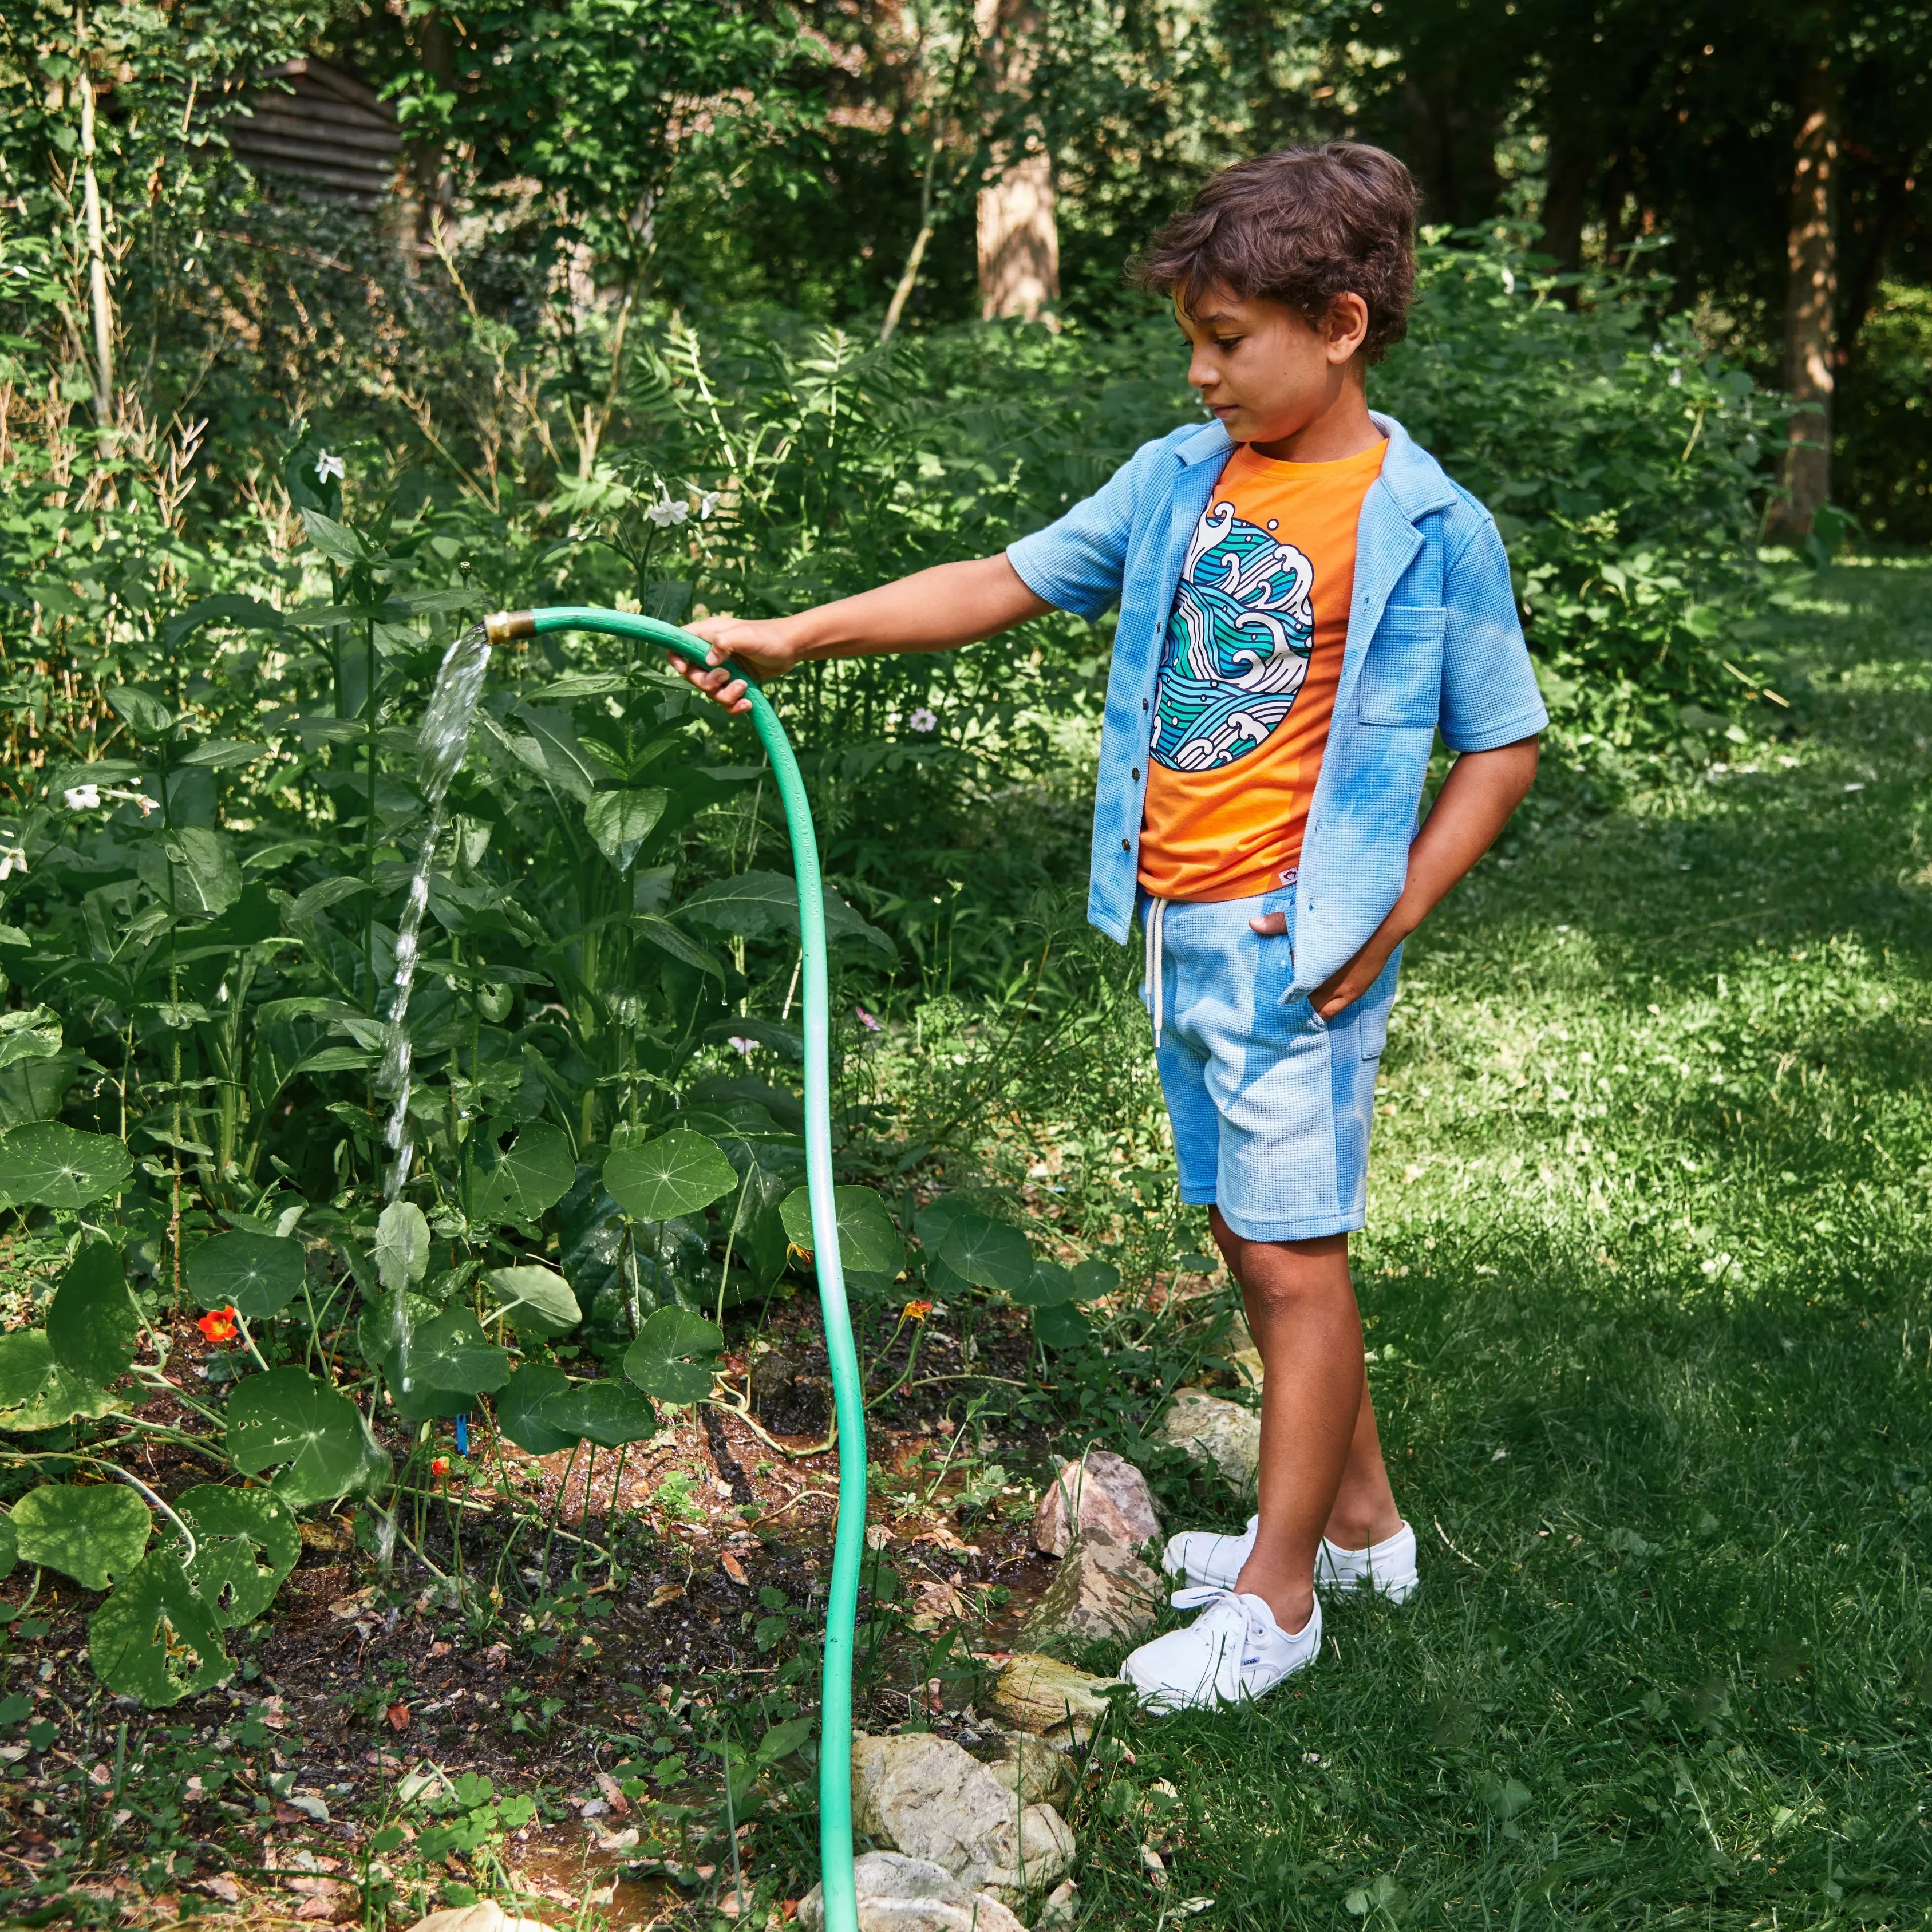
(1155, 966)
(1225, 1609)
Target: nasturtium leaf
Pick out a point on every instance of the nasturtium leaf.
(620, 822)
(289, 1416)
(938, 1215)
(29, 1032)
(156, 1638)
(1062, 1326)
(451, 1353)
(402, 1245)
(609, 1414)
(1092, 1279)
(868, 1243)
(92, 1327)
(535, 1299)
(520, 1407)
(1048, 1286)
(678, 1173)
(671, 1358)
(26, 1362)
(93, 1532)
(49, 1166)
(257, 1275)
(987, 1252)
(246, 1543)
(534, 1175)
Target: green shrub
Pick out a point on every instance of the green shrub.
(1885, 427)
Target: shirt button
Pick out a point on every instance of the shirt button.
(1126, 846)
(1143, 704)
(1136, 772)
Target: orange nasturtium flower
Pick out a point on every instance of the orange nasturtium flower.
(439, 1466)
(218, 1325)
(915, 1311)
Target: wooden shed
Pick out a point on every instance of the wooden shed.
(323, 126)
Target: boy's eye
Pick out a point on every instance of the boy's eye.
(1227, 341)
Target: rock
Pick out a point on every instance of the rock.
(1062, 1908)
(1050, 1699)
(1100, 1491)
(1243, 1353)
(1033, 1771)
(773, 1375)
(925, 1796)
(1102, 1591)
(899, 1894)
(486, 1916)
(1220, 1432)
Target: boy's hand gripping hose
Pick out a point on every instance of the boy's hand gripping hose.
(834, 1758)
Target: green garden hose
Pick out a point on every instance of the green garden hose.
(834, 1760)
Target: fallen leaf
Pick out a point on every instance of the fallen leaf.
(398, 1715)
(496, 1656)
(666, 1593)
(615, 1841)
(440, 1649)
(735, 1570)
(614, 1792)
(361, 1604)
(878, 1536)
(220, 1886)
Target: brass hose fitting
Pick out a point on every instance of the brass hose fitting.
(505, 627)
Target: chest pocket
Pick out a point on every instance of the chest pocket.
(1402, 676)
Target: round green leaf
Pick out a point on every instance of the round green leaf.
(609, 1414)
(402, 1245)
(987, 1252)
(257, 1275)
(92, 1327)
(49, 1166)
(1062, 1326)
(26, 1364)
(938, 1215)
(9, 1548)
(1048, 1286)
(155, 1638)
(520, 1409)
(289, 1416)
(93, 1532)
(678, 1173)
(246, 1543)
(536, 1300)
(868, 1243)
(451, 1354)
(534, 1175)
(47, 1396)
(1092, 1279)
(671, 1358)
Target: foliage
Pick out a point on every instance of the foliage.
(1885, 476)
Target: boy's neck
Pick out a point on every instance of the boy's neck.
(1342, 429)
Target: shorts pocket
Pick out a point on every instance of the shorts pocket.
(1401, 683)
(1372, 1026)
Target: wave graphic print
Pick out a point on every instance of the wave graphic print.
(1237, 644)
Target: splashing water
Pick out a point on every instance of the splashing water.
(443, 740)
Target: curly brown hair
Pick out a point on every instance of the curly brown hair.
(1301, 226)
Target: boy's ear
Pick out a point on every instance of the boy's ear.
(1345, 327)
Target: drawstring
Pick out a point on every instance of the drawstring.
(1151, 929)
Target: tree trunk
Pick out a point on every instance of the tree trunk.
(1810, 298)
(428, 190)
(1019, 239)
(1565, 197)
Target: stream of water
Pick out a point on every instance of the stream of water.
(442, 742)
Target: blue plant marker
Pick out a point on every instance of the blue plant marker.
(462, 1435)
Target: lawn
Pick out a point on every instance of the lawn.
(1649, 1333)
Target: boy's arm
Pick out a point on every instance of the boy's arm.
(1482, 790)
(934, 609)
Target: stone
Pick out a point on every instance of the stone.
(1102, 1591)
(925, 1796)
(1098, 1491)
(1062, 1907)
(486, 1916)
(1051, 1699)
(1033, 1770)
(899, 1894)
(1243, 1353)
(1222, 1433)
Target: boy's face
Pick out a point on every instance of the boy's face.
(1263, 370)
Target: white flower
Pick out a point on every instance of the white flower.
(330, 468)
(744, 1046)
(668, 512)
(1676, 378)
(1509, 283)
(12, 860)
(707, 503)
(923, 720)
(83, 798)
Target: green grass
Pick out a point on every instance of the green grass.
(1646, 1277)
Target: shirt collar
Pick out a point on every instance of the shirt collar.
(1411, 475)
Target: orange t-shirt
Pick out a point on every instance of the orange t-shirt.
(1248, 675)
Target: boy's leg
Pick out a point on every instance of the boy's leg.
(1320, 1459)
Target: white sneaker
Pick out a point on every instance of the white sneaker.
(1386, 1568)
(1203, 1556)
(1233, 1652)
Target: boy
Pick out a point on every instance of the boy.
(1306, 599)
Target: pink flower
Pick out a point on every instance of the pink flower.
(866, 1020)
(744, 1046)
(923, 720)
